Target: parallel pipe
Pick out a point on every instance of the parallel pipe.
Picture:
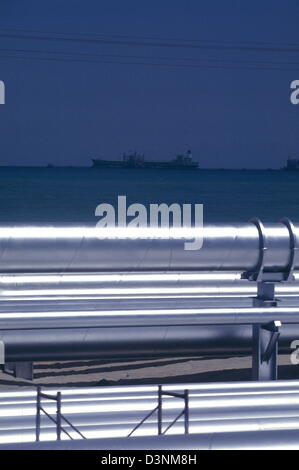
(214, 408)
(135, 342)
(136, 400)
(284, 439)
(21, 287)
(87, 249)
(126, 410)
(147, 318)
(196, 389)
(121, 430)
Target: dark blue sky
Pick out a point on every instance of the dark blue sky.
(222, 103)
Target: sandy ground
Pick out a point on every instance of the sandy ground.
(171, 370)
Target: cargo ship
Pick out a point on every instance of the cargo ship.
(137, 160)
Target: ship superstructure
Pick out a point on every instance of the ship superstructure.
(137, 160)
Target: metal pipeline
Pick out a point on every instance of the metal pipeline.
(274, 439)
(120, 282)
(21, 287)
(87, 249)
(129, 392)
(115, 304)
(214, 408)
(147, 318)
(38, 305)
(126, 409)
(115, 431)
(134, 342)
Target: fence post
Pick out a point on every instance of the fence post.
(265, 351)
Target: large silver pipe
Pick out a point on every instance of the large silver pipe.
(147, 318)
(115, 304)
(134, 342)
(129, 410)
(262, 439)
(58, 303)
(118, 282)
(25, 287)
(87, 249)
(73, 394)
(136, 399)
(100, 413)
(102, 431)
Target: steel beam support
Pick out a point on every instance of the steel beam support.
(21, 370)
(265, 350)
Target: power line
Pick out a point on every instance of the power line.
(154, 38)
(119, 56)
(146, 63)
(149, 44)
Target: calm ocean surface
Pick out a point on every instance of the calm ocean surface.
(70, 195)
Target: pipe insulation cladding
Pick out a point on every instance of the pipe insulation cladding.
(153, 285)
(135, 342)
(282, 439)
(102, 412)
(31, 249)
(147, 318)
(120, 423)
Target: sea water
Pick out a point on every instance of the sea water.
(70, 195)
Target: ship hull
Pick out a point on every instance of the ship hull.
(146, 165)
